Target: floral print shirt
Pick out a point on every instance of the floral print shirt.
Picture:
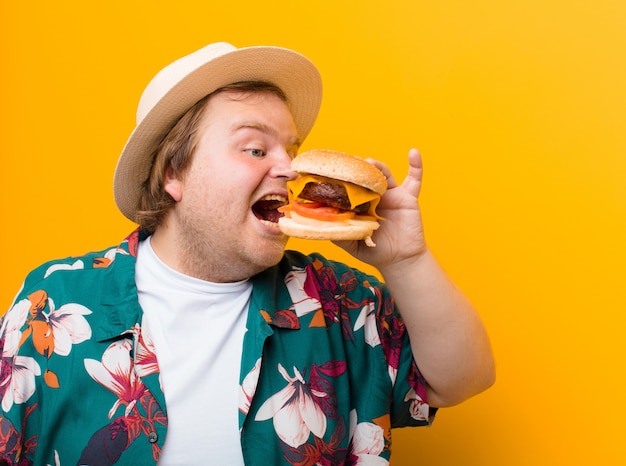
(326, 367)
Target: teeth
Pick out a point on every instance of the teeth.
(268, 223)
(274, 197)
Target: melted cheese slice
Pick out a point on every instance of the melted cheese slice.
(357, 194)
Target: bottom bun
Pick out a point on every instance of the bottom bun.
(316, 229)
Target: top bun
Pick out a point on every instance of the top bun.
(341, 166)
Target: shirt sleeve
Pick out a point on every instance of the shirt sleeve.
(409, 400)
(17, 385)
(386, 334)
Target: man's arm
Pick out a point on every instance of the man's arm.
(448, 339)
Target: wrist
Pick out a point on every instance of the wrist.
(406, 265)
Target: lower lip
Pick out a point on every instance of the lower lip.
(271, 226)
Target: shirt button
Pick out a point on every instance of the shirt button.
(153, 437)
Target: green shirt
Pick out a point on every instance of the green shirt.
(326, 367)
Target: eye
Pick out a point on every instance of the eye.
(255, 152)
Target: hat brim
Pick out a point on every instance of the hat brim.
(293, 73)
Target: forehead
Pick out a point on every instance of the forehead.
(231, 107)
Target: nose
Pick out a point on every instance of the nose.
(281, 166)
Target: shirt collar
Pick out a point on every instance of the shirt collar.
(119, 292)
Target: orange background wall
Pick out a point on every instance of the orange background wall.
(517, 106)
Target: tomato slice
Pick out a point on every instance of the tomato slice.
(321, 211)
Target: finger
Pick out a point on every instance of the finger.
(391, 182)
(413, 181)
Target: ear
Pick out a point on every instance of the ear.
(173, 185)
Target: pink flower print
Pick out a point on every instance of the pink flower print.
(117, 373)
(68, 325)
(19, 384)
(321, 284)
(248, 387)
(294, 411)
(132, 241)
(303, 303)
(145, 355)
(10, 332)
(52, 330)
(418, 408)
(367, 319)
(367, 442)
(17, 378)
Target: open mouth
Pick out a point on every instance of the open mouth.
(266, 209)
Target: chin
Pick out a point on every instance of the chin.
(267, 252)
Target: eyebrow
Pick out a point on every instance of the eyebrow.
(262, 127)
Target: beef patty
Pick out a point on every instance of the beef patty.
(332, 194)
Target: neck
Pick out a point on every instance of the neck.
(195, 261)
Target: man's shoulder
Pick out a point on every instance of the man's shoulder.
(88, 266)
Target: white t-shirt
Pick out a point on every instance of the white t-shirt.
(197, 328)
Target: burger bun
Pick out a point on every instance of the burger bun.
(341, 166)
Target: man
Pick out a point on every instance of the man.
(199, 340)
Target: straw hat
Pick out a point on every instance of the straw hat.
(178, 86)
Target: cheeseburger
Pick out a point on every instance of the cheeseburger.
(334, 197)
